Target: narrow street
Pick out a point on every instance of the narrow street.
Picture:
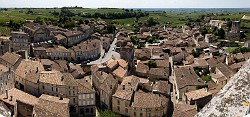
(108, 55)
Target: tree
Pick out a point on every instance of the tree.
(80, 21)
(221, 33)
(204, 31)
(152, 64)
(108, 113)
(229, 24)
(111, 28)
(151, 22)
(39, 20)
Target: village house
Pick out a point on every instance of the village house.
(107, 89)
(149, 105)
(10, 60)
(143, 54)
(76, 71)
(112, 65)
(79, 92)
(60, 39)
(86, 29)
(126, 51)
(121, 100)
(225, 70)
(19, 102)
(185, 80)
(198, 97)
(37, 32)
(161, 87)
(86, 98)
(184, 110)
(53, 53)
(20, 41)
(27, 76)
(6, 79)
(73, 37)
(87, 50)
(209, 38)
(106, 41)
(156, 74)
(50, 106)
(5, 45)
(212, 62)
(142, 70)
(120, 73)
(105, 85)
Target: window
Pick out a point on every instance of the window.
(87, 110)
(118, 102)
(74, 100)
(126, 104)
(92, 110)
(43, 86)
(92, 95)
(126, 110)
(118, 108)
(135, 114)
(149, 114)
(56, 89)
(87, 96)
(141, 115)
(51, 88)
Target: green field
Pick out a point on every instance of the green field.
(5, 31)
(174, 18)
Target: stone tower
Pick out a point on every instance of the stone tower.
(235, 27)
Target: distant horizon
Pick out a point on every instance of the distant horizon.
(123, 8)
(126, 3)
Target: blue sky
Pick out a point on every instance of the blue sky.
(129, 3)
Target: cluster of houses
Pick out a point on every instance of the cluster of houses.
(50, 42)
(177, 75)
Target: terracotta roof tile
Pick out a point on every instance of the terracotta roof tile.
(11, 58)
(18, 95)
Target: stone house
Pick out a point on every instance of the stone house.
(74, 37)
(19, 102)
(123, 96)
(185, 80)
(142, 70)
(47, 103)
(149, 105)
(10, 60)
(5, 45)
(87, 50)
(20, 41)
(37, 32)
(6, 79)
(53, 53)
(198, 97)
(105, 85)
(156, 74)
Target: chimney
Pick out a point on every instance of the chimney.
(61, 97)
(11, 98)
(6, 94)
(123, 87)
(62, 78)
